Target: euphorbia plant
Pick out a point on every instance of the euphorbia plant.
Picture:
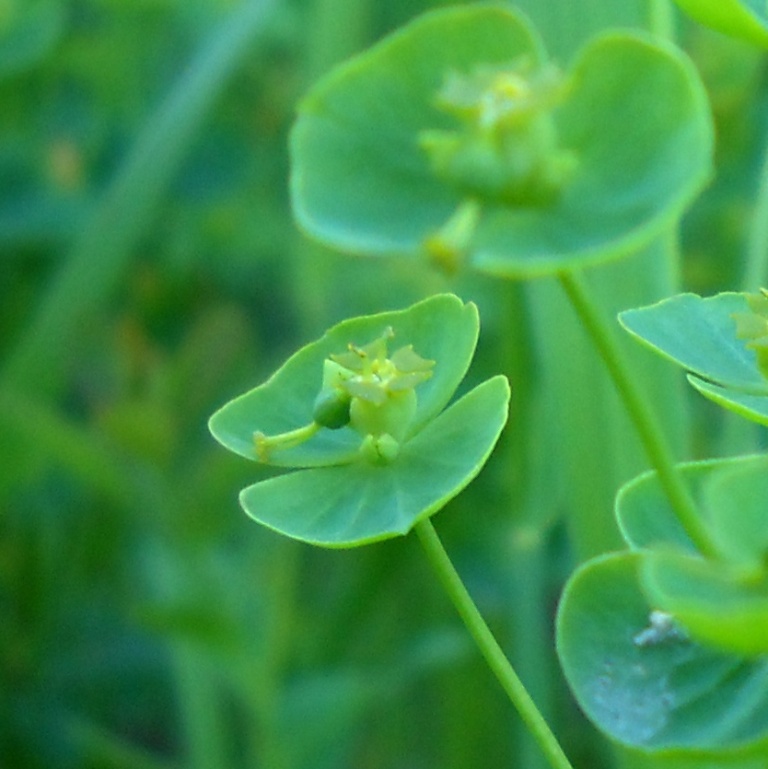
(488, 157)
(458, 141)
(644, 685)
(359, 417)
(373, 453)
(692, 680)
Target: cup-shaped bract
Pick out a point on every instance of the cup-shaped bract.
(387, 452)
(729, 495)
(456, 140)
(441, 329)
(717, 340)
(720, 604)
(642, 635)
(744, 19)
(642, 679)
(721, 601)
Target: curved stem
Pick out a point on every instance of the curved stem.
(639, 410)
(489, 646)
(264, 444)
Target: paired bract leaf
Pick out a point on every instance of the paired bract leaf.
(666, 650)
(702, 335)
(361, 487)
(745, 19)
(722, 604)
(643, 682)
(722, 601)
(728, 494)
(394, 154)
(362, 502)
(441, 328)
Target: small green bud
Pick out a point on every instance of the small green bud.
(365, 389)
(331, 408)
(448, 246)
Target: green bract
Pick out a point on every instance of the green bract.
(665, 649)
(745, 19)
(456, 140)
(720, 340)
(674, 653)
(643, 682)
(361, 410)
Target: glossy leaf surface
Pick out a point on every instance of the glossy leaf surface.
(357, 488)
(752, 407)
(700, 334)
(634, 119)
(440, 328)
(745, 19)
(718, 603)
(727, 492)
(360, 503)
(721, 601)
(651, 688)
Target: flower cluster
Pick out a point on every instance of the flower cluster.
(366, 390)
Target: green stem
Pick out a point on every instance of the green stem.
(489, 646)
(661, 20)
(639, 411)
(264, 444)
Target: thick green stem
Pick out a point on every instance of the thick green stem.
(639, 411)
(489, 647)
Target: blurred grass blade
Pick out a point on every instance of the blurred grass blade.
(107, 749)
(28, 31)
(100, 255)
(81, 451)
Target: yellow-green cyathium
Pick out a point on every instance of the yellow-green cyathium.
(363, 388)
(362, 420)
(457, 140)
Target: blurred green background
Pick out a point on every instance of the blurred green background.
(149, 271)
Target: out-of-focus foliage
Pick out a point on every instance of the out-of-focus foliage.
(149, 271)
(143, 207)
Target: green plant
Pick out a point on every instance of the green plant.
(365, 427)
(457, 143)
(382, 458)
